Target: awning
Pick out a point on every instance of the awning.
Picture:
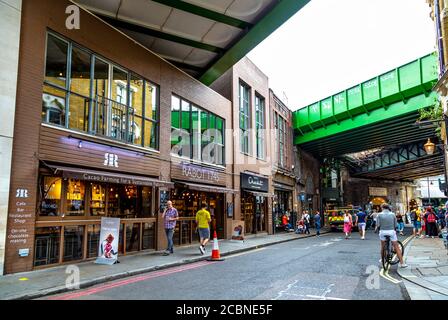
(206, 188)
(260, 194)
(110, 177)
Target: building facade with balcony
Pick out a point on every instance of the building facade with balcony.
(105, 128)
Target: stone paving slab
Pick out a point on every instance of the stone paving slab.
(52, 280)
(429, 271)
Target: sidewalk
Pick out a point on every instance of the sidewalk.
(44, 282)
(426, 278)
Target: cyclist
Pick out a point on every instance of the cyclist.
(387, 223)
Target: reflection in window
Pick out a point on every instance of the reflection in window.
(53, 106)
(121, 106)
(75, 198)
(56, 62)
(244, 98)
(93, 240)
(51, 188)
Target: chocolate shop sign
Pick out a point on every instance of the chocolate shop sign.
(251, 182)
(198, 173)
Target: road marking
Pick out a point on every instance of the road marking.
(121, 283)
(323, 298)
(385, 273)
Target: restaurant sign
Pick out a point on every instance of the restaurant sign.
(198, 173)
(252, 182)
(381, 192)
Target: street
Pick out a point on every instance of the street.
(324, 268)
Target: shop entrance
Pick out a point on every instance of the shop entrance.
(188, 203)
(254, 212)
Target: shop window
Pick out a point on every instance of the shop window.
(73, 243)
(146, 204)
(50, 197)
(132, 237)
(149, 236)
(123, 202)
(75, 198)
(97, 199)
(47, 242)
(93, 240)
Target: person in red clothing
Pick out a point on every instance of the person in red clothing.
(431, 223)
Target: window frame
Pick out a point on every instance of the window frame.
(260, 110)
(93, 95)
(245, 141)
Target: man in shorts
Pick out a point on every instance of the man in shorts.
(361, 217)
(203, 220)
(387, 223)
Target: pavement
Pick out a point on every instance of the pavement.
(426, 278)
(40, 283)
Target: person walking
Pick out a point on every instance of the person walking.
(306, 219)
(361, 217)
(400, 222)
(374, 217)
(170, 217)
(348, 224)
(317, 222)
(386, 224)
(203, 220)
(415, 219)
(431, 223)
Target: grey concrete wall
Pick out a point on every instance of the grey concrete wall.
(10, 17)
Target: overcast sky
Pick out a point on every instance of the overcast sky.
(331, 45)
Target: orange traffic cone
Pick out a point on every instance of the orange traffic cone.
(216, 256)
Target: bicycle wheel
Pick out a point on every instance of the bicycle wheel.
(384, 257)
(394, 258)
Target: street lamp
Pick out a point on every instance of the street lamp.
(430, 147)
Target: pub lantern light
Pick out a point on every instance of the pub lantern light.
(429, 147)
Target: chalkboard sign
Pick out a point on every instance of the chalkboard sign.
(164, 197)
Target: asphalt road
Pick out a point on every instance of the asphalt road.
(324, 268)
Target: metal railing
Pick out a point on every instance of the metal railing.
(113, 120)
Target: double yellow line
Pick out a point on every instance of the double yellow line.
(385, 273)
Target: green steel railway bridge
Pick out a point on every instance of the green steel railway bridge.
(377, 118)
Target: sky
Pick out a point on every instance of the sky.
(332, 45)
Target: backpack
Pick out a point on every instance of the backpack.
(431, 218)
(413, 216)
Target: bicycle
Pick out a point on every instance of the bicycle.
(389, 256)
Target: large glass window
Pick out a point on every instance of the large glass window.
(51, 191)
(111, 102)
(260, 126)
(75, 198)
(280, 125)
(244, 98)
(196, 133)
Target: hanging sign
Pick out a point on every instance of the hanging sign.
(109, 237)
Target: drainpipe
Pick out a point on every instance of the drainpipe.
(439, 38)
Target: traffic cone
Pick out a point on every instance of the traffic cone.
(216, 256)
